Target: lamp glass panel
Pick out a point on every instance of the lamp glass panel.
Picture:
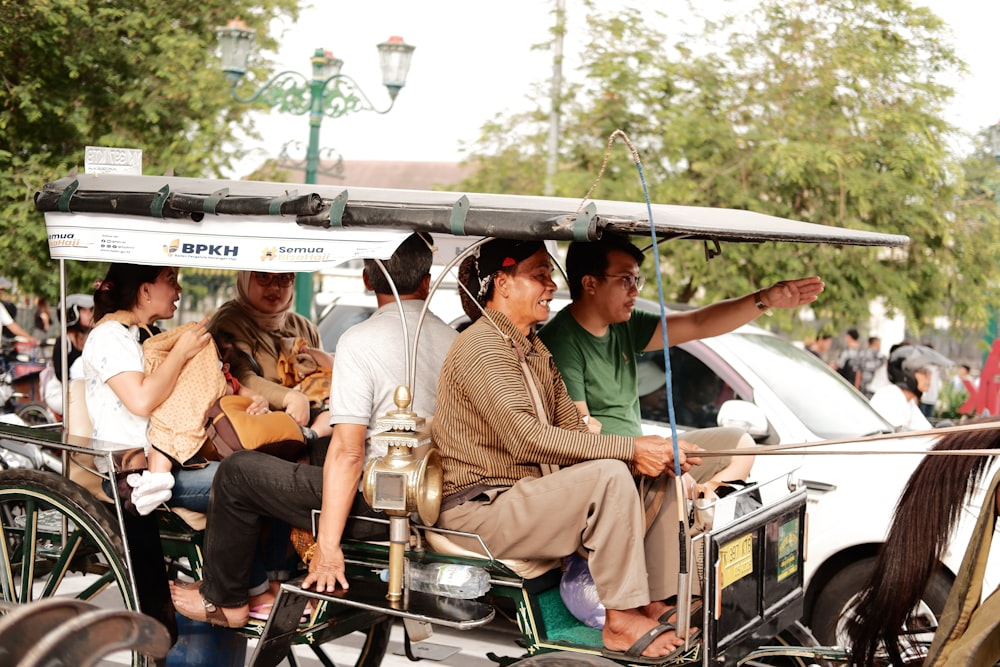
(390, 491)
(395, 61)
(234, 47)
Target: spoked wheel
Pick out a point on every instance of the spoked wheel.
(35, 414)
(58, 541)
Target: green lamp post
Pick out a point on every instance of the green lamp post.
(992, 327)
(328, 93)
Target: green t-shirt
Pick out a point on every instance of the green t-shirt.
(601, 370)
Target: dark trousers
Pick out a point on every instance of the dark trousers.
(249, 487)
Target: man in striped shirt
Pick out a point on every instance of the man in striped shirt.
(504, 418)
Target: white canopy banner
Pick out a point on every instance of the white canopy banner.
(251, 243)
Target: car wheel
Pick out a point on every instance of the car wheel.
(834, 601)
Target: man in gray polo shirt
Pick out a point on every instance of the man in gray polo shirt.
(371, 360)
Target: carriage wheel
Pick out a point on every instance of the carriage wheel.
(365, 648)
(36, 562)
(35, 414)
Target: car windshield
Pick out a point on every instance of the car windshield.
(816, 395)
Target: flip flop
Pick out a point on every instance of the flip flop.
(633, 655)
(209, 613)
(261, 612)
(672, 608)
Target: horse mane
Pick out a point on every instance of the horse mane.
(922, 524)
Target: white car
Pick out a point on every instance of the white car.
(753, 379)
(781, 394)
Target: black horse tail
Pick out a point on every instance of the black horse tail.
(922, 523)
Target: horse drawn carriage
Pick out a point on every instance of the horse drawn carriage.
(63, 539)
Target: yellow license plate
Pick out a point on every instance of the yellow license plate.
(736, 559)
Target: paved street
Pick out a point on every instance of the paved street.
(461, 648)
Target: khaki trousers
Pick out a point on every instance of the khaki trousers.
(594, 505)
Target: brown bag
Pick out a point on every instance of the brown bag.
(230, 428)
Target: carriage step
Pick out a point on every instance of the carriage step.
(366, 600)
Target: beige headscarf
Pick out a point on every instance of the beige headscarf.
(266, 321)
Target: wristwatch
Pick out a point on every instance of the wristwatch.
(759, 302)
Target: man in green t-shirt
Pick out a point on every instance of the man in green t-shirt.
(596, 339)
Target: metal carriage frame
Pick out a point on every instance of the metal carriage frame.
(270, 226)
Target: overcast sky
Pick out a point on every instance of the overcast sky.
(474, 60)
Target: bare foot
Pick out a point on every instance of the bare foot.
(655, 609)
(623, 627)
(266, 598)
(189, 602)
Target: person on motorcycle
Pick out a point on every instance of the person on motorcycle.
(79, 321)
(8, 323)
(909, 369)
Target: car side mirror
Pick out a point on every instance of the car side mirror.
(744, 415)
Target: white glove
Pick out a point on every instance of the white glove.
(150, 490)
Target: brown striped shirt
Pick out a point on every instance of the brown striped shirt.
(485, 424)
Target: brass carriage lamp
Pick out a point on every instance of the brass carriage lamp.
(400, 483)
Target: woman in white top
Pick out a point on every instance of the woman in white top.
(121, 396)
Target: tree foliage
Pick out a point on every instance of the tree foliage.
(75, 73)
(824, 112)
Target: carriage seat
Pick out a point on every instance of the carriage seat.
(82, 467)
(526, 568)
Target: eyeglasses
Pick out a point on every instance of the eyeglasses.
(629, 281)
(279, 279)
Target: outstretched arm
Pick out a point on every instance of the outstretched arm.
(724, 316)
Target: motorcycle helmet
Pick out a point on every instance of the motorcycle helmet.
(906, 360)
(74, 302)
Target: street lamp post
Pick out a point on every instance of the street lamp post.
(328, 93)
(993, 143)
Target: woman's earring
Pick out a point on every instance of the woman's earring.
(149, 299)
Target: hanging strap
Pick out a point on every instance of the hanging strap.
(652, 495)
(536, 398)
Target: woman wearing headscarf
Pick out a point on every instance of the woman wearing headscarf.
(504, 419)
(260, 324)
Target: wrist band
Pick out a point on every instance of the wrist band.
(761, 306)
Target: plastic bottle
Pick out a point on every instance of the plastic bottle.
(447, 579)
